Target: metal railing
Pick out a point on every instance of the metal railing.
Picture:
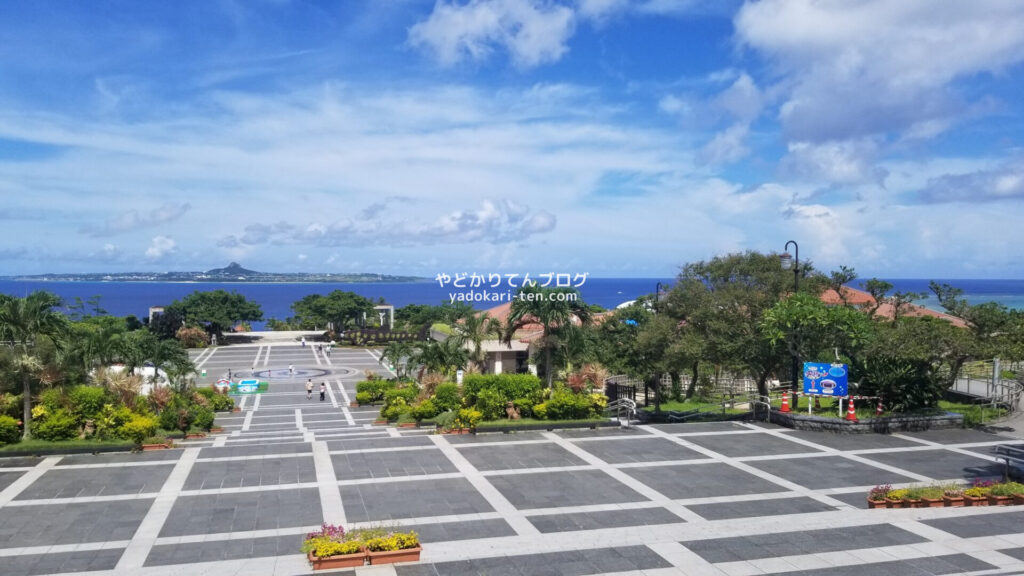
(622, 408)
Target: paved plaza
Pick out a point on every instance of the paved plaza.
(705, 499)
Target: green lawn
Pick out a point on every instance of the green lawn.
(695, 405)
(442, 328)
(532, 421)
(31, 445)
(973, 414)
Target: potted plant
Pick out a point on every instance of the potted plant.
(1002, 494)
(876, 496)
(894, 499)
(156, 443)
(394, 547)
(977, 495)
(912, 497)
(330, 548)
(931, 497)
(953, 496)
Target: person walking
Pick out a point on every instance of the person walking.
(291, 370)
(323, 391)
(309, 389)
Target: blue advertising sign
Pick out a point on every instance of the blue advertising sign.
(825, 379)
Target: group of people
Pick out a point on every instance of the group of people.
(309, 390)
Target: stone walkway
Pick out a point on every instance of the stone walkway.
(720, 498)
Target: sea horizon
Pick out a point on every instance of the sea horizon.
(121, 298)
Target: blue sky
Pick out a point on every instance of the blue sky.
(612, 137)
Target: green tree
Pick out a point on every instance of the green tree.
(24, 323)
(559, 311)
(444, 357)
(724, 300)
(216, 310)
(338, 308)
(398, 355)
(474, 330)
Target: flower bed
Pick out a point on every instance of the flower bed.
(332, 547)
(980, 493)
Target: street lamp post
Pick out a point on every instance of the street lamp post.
(788, 262)
(657, 296)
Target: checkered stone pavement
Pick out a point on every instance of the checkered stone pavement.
(730, 499)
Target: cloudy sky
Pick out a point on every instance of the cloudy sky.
(613, 137)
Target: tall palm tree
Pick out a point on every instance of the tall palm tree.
(23, 321)
(397, 354)
(445, 357)
(558, 310)
(474, 329)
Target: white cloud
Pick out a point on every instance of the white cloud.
(856, 68)
(727, 146)
(1005, 182)
(836, 162)
(533, 32)
(160, 247)
(130, 220)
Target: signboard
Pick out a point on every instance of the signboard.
(458, 377)
(825, 379)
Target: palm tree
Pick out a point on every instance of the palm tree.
(397, 354)
(23, 321)
(558, 310)
(444, 357)
(474, 329)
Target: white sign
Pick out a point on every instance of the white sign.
(458, 377)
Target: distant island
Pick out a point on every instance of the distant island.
(231, 273)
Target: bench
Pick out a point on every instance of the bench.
(1012, 456)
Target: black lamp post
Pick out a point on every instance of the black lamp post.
(657, 296)
(788, 262)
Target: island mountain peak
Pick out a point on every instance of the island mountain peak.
(232, 269)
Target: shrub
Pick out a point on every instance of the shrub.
(58, 425)
(202, 417)
(540, 411)
(156, 439)
(376, 388)
(137, 429)
(598, 402)
(445, 420)
(446, 396)
(525, 407)
(395, 410)
(364, 398)
(53, 399)
(10, 405)
(467, 418)
(216, 401)
(160, 397)
(424, 410)
(192, 337)
(87, 401)
(407, 394)
(898, 494)
(110, 420)
(564, 405)
(490, 403)
(1007, 489)
(510, 386)
(9, 430)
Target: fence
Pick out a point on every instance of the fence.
(380, 336)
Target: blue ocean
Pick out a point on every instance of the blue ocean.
(123, 298)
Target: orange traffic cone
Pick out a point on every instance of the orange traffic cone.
(785, 402)
(851, 412)
(878, 409)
